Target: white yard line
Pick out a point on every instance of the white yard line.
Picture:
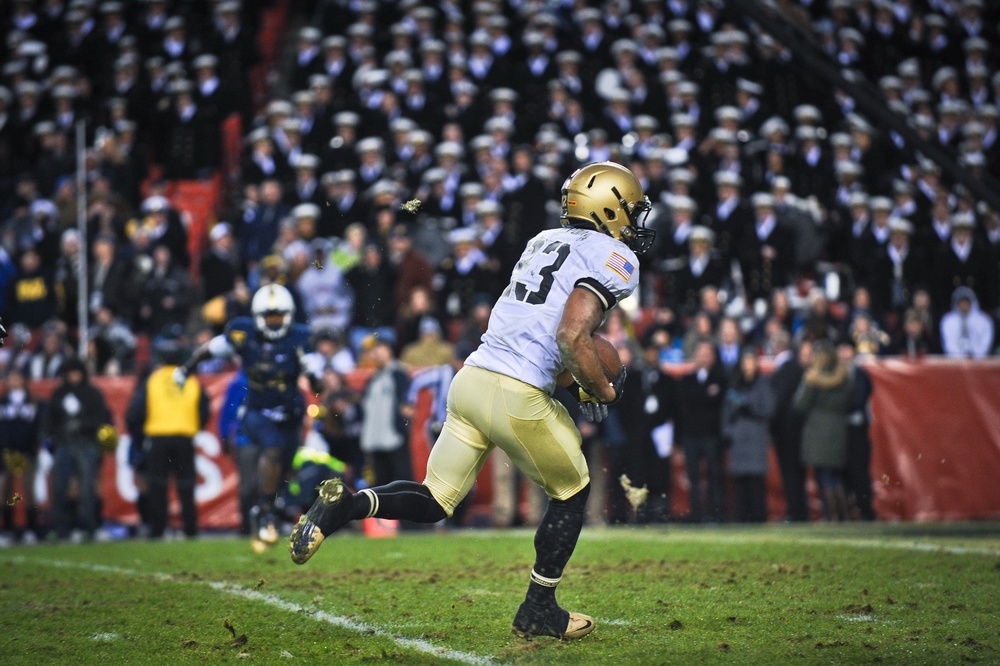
(914, 545)
(885, 542)
(416, 645)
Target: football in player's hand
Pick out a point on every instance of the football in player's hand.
(609, 359)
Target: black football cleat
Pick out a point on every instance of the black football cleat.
(330, 512)
(532, 621)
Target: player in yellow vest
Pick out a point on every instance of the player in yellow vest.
(167, 417)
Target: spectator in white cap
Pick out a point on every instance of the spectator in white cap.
(259, 163)
(731, 216)
(765, 251)
(288, 139)
(371, 152)
(682, 209)
(702, 268)
(964, 261)
(175, 46)
(495, 238)
(306, 216)
(464, 276)
(219, 267)
(304, 102)
(899, 270)
(748, 100)
(308, 60)
(306, 187)
(341, 151)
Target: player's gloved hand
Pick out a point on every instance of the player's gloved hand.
(180, 376)
(619, 384)
(593, 411)
(3, 332)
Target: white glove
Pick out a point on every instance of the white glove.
(180, 376)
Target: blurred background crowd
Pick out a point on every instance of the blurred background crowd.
(394, 157)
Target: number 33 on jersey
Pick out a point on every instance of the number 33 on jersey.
(520, 341)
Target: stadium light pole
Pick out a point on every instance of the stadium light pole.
(81, 225)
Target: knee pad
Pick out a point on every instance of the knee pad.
(576, 504)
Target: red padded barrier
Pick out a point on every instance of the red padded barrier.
(935, 432)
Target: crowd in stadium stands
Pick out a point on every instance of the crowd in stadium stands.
(396, 156)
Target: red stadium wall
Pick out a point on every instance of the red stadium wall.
(935, 447)
(936, 439)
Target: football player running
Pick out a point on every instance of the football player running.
(272, 348)
(566, 281)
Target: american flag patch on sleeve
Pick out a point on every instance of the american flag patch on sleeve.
(620, 265)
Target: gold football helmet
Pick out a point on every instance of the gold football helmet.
(608, 196)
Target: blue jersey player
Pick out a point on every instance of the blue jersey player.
(271, 347)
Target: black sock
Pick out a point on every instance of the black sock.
(399, 500)
(266, 503)
(555, 541)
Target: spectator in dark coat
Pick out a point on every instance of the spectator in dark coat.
(700, 415)
(899, 270)
(20, 422)
(162, 223)
(374, 284)
(747, 410)
(857, 473)
(524, 200)
(219, 267)
(766, 251)
(191, 144)
(236, 48)
(703, 267)
(261, 162)
(732, 217)
(786, 424)
(308, 58)
(261, 223)
(342, 204)
(31, 297)
(412, 268)
(108, 275)
(75, 411)
(964, 261)
(653, 468)
(633, 451)
(464, 276)
(167, 293)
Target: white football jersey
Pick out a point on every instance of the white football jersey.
(520, 341)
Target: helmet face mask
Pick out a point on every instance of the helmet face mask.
(270, 302)
(609, 197)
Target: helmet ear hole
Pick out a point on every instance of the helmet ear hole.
(609, 214)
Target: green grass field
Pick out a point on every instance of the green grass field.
(818, 594)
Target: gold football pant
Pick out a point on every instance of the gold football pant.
(486, 410)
